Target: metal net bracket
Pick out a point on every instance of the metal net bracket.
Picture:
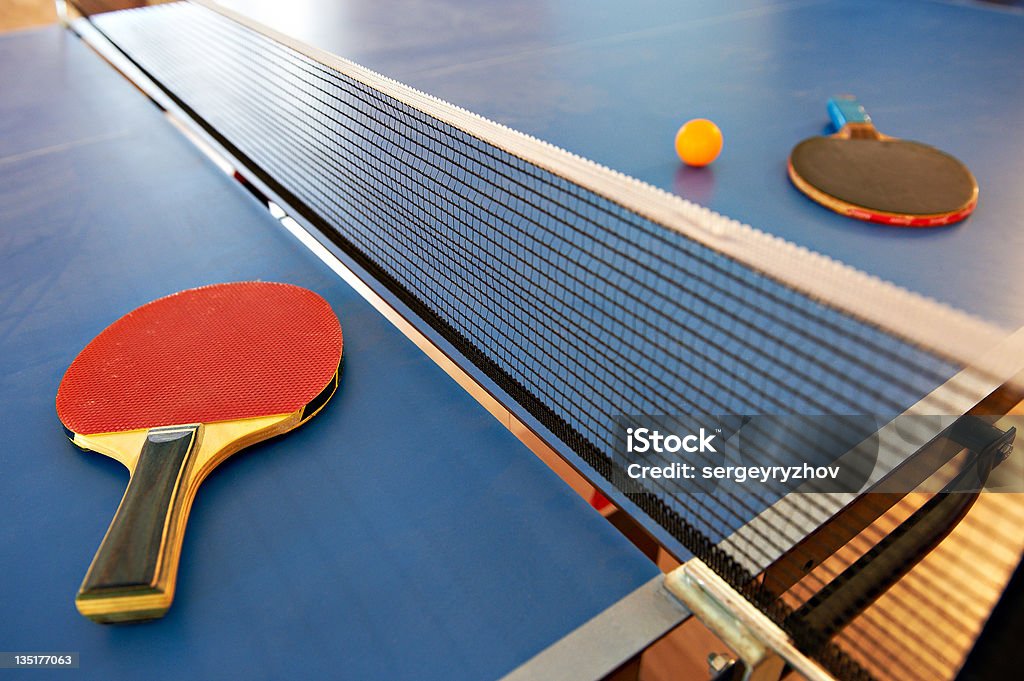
(764, 650)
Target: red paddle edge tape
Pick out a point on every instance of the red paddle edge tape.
(922, 221)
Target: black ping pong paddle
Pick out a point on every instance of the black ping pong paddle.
(861, 173)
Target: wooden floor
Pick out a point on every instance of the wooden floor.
(18, 14)
(951, 593)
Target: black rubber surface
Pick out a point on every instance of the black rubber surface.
(894, 176)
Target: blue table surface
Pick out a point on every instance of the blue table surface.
(402, 534)
(612, 81)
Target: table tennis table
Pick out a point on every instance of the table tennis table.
(406, 533)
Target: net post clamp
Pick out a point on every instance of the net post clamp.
(762, 647)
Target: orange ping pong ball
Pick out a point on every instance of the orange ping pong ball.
(698, 142)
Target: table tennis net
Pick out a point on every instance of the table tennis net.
(578, 308)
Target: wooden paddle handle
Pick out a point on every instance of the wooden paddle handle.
(133, 574)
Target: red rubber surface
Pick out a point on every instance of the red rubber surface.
(216, 353)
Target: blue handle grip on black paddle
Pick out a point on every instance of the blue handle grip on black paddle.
(845, 109)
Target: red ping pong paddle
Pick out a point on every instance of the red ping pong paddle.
(861, 173)
(172, 389)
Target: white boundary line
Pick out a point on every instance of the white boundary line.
(598, 646)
